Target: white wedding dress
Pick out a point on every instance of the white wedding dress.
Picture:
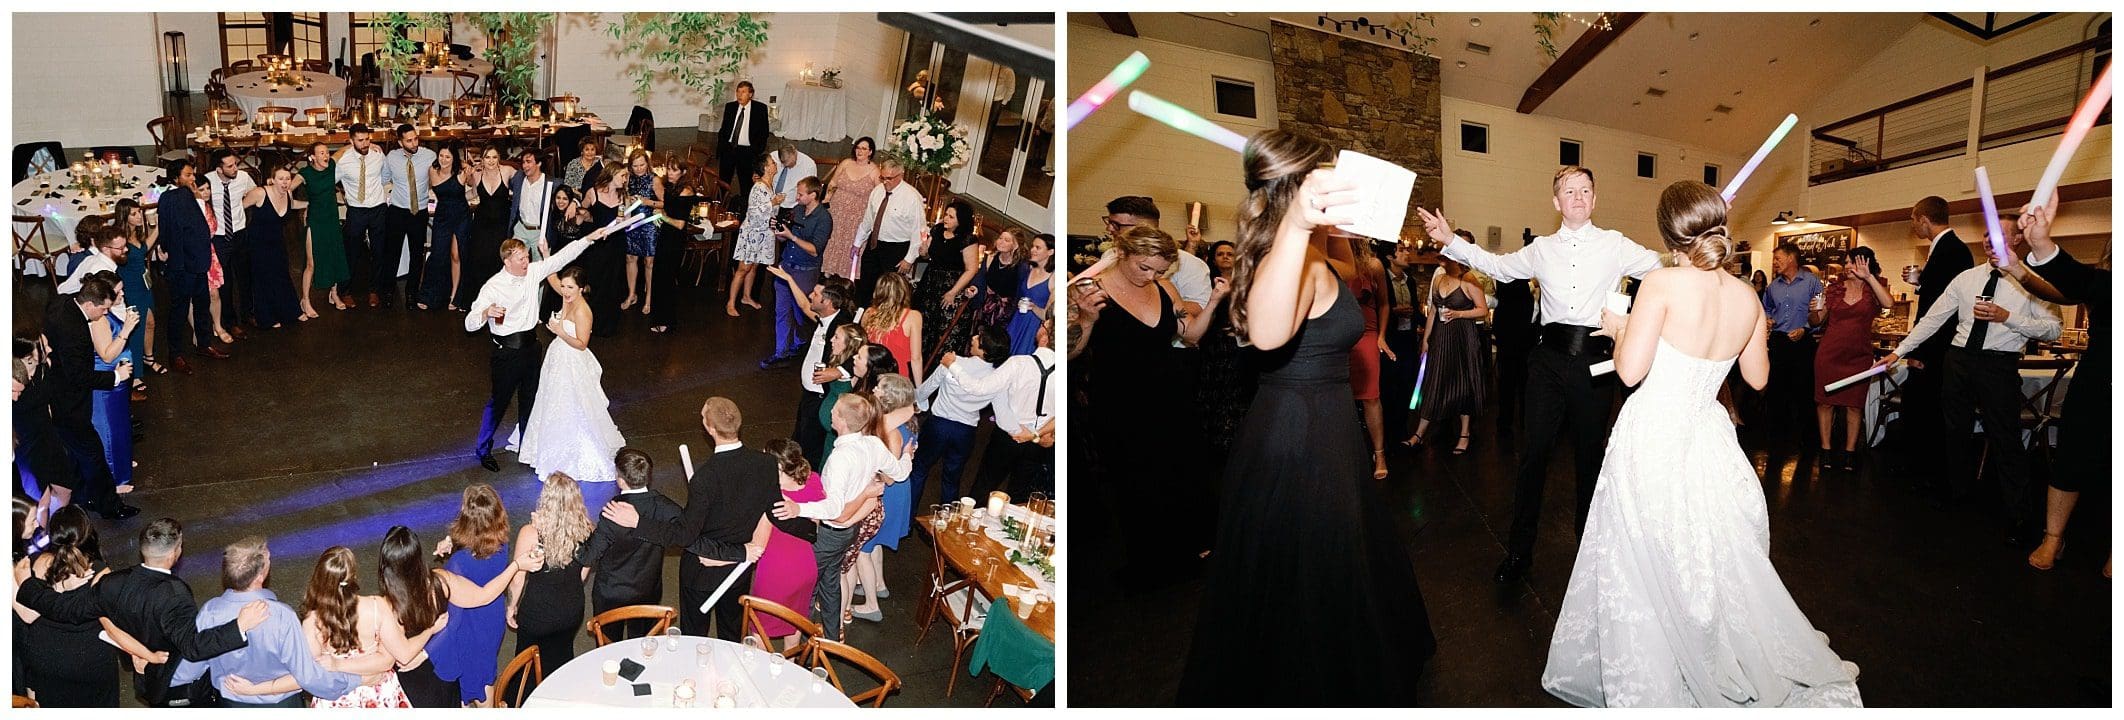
(571, 428)
(1673, 601)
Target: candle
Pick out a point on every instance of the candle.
(996, 502)
(2082, 120)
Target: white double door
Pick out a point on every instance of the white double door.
(1010, 120)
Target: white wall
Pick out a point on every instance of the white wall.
(86, 79)
(202, 43)
(869, 55)
(1116, 152)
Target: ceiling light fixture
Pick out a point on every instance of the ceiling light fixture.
(1782, 218)
(1692, 36)
(1460, 64)
(1474, 22)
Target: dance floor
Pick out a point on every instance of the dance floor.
(331, 432)
(1931, 604)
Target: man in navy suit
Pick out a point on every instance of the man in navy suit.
(740, 141)
(185, 235)
(1922, 412)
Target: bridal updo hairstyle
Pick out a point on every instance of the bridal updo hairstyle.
(1692, 219)
(1276, 164)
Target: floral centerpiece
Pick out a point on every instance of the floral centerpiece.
(830, 77)
(929, 145)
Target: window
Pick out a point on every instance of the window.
(307, 30)
(1474, 138)
(1647, 165)
(1568, 152)
(1234, 97)
(368, 32)
(1711, 175)
(245, 36)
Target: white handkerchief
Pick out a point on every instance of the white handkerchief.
(1383, 190)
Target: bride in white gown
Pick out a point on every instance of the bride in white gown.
(571, 428)
(1673, 600)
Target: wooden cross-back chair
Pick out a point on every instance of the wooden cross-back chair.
(663, 616)
(829, 651)
(32, 244)
(526, 665)
(802, 653)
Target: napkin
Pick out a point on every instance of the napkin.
(630, 669)
(1383, 191)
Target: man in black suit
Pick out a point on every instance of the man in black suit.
(156, 607)
(1406, 283)
(186, 238)
(1512, 324)
(830, 305)
(740, 141)
(724, 523)
(74, 376)
(629, 569)
(1922, 412)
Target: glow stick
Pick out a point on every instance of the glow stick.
(1104, 90)
(1991, 217)
(1733, 188)
(1847, 382)
(1422, 366)
(1182, 120)
(639, 219)
(686, 459)
(2082, 120)
(727, 582)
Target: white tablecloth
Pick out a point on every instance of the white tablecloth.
(994, 529)
(2032, 381)
(441, 86)
(35, 196)
(811, 112)
(580, 683)
(250, 91)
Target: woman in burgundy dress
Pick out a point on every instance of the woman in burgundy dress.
(1368, 282)
(1846, 349)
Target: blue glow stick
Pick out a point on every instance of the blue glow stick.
(1994, 234)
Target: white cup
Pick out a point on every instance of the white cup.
(611, 669)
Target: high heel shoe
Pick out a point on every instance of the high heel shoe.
(1462, 447)
(1379, 468)
(2055, 554)
(1414, 441)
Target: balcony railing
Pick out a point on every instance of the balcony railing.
(2028, 100)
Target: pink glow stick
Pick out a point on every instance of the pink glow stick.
(1733, 188)
(1107, 88)
(2083, 120)
(1996, 237)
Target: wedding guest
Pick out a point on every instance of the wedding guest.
(531, 203)
(646, 186)
(1223, 254)
(741, 139)
(866, 362)
(787, 573)
(187, 234)
(996, 286)
(346, 630)
(1190, 276)
(1946, 259)
(1035, 294)
(274, 648)
(1367, 281)
(755, 240)
(424, 597)
(325, 267)
(2083, 423)
(359, 170)
(1021, 392)
(1787, 301)
(847, 195)
(273, 298)
(152, 604)
(891, 321)
(410, 188)
(1846, 316)
(104, 254)
(791, 166)
(858, 459)
(226, 188)
(75, 379)
(450, 186)
(1992, 320)
(1402, 334)
(954, 260)
(546, 600)
(892, 225)
(809, 230)
(894, 395)
(954, 417)
(59, 607)
(1224, 386)
(579, 173)
(606, 263)
(41, 459)
(627, 568)
(688, 190)
(111, 409)
(492, 223)
(829, 309)
(478, 552)
(1457, 378)
(724, 523)
(130, 220)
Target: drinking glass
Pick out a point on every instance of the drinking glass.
(752, 642)
(648, 647)
(700, 654)
(818, 679)
(671, 639)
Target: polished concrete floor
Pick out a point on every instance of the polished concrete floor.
(1930, 603)
(332, 431)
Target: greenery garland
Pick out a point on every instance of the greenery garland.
(512, 45)
(702, 51)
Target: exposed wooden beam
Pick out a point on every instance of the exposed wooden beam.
(2091, 190)
(1120, 23)
(1576, 58)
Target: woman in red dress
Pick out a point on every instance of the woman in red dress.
(1368, 282)
(1847, 308)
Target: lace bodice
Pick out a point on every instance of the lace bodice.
(1682, 380)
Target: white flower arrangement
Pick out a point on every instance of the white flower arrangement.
(929, 144)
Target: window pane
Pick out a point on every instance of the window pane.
(1474, 138)
(1568, 152)
(1711, 175)
(1647, 165)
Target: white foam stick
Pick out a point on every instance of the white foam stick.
(1602, 368)
(727, 582)
(2083, 120)
(1849, 381)
(686, 459)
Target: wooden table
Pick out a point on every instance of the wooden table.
(383, 134)
(960, 550)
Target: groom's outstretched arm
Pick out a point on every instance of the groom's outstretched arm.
(1637, 259)
(1516, 265)
(553, 263)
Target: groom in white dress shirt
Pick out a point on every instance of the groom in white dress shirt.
(1577, 267)
(508, 307)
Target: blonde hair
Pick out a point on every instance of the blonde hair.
(560, 519)
(1565, 173)
(1148, 241)
(723, 414)
(854, 410)
(853, 339)
(888, 302)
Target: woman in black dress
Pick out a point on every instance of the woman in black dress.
(448, 241)
(1305, 543)
(490, 226)
(2083, 422)
(605, 263)
(682, 193)
(954, 255)
(273, 289)
(1454, 375)
(1226, 384)
(546, 604)
(71, 668)
(998, 285)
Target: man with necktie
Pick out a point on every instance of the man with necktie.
(405, 178)
(794, 166)
(360, 172)
(892, 228)
(186, 229)
(740, 141)
(226, 186)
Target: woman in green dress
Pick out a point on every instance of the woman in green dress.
(851, 350)
(327, 267)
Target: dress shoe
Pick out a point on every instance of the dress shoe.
(1512, 569)
(117, 511)
(238, 332)
(374, 300)
(216, 353)
(140, 396)
(182, 365)
(487, 461)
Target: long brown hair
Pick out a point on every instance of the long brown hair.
(1276, 164)
(1692, 219)
(334, 596)
(402, 571)
(888, 302)
(482, 526)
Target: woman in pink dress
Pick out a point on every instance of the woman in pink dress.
(1846, 349)
(847, 197)
(787, 571)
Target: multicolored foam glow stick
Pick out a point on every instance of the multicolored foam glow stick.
(686, 459)
(1991, 217)
(2083, 120)
(1106, 88)
(1422, 366)
(1849, 381)
(1733, 188)
(639, 219)
(631, 205)
(1182, 120)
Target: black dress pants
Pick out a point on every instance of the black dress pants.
(1563, 399)
(404, 229)
(513, 366)
(364, 236)
(235, 292)
(1983, 385)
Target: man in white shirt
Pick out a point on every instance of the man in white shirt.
(531, 203)
(360, 172)
(794, 166)
(830, 304)
(107, 251)
(405, 177)
(1023, 389)
(858, 459)
(1994, 319)
(954, 415)
(1577, 266)
(892, 230)
(225, 188)
(740, 141)
(507, 306)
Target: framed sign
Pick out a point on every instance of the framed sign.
(1821, 247)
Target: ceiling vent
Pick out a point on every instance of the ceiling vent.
(1655, 92)
(1478, 48)
(1722, 109)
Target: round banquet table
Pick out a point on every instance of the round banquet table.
(440, 85)
(813, 112)
(250, 91)
(53, 197)
(580, 683)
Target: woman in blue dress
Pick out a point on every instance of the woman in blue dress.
(641, 239)
(478, 546)
(273, 288)
(1035, 292)
(112, 408)
(895, 395)
(131, 221)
